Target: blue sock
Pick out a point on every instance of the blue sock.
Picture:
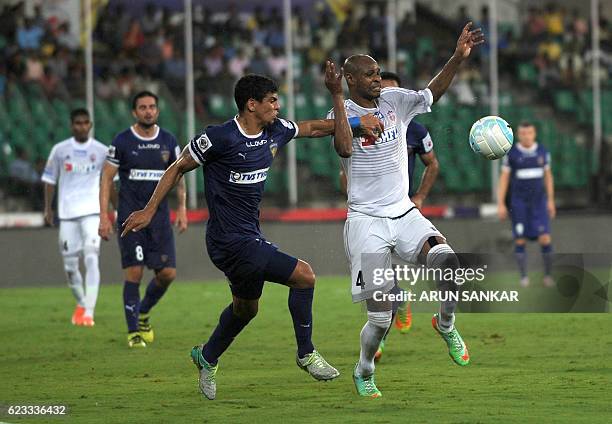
(521, 258)
(154, 292)
(547, 254)
(228, 328)
(300, 306)
(131, 304)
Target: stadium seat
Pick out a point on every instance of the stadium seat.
(565, 101)
(527, 72)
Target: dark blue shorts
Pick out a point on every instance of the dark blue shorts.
(529, 218)
(152, 247)
(249, 263)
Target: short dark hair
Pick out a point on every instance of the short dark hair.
(142, 94)
(526, 124)
(80, 111)
(253, 87)
(386, 75)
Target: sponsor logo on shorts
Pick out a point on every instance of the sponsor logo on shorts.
(146, 174)
(252, 177)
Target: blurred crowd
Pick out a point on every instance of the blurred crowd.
(558, 42)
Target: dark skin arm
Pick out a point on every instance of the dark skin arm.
(432, 168)
(315, 128)
(468, 39)
(140, 219)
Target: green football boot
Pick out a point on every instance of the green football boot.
(365, 385)
(207, 382)
(457, 349)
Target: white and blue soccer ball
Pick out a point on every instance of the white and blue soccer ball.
(491, 137)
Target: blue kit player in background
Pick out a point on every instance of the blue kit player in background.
(140, 155)
(418, 142)
(526, 169)
(236, 157)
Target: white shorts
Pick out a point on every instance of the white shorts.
(79, 234)
(369, 242)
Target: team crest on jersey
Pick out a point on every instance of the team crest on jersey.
(540, 160)
(165, 154)
(204, 143)
(391, 116)
(273, 149)
(92, 157)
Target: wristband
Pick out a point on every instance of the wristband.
(354, 122)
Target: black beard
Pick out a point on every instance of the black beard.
(145, 125)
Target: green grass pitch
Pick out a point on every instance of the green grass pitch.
(540, 368)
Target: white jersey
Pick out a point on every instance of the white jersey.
(377, 171)
(78, 167)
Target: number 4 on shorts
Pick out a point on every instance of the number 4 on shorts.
(360, 282)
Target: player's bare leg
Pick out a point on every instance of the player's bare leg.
(301, 285)
(547, 252)
(440, 255)
(521, 259)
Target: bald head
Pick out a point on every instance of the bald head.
(357, 63)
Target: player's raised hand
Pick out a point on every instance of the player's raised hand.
(371, 126)
(181, 219)
(333, 79)
(469, 38)
(105, 229)
(136, 221)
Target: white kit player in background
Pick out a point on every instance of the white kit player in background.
(74, 165)
(381, 218)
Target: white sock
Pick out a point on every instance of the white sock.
(372, 334)
(442, 256)
(92, 282)
(75, 281)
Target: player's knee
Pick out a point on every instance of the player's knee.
(544, 239)
(71, 265)
(134, 274)
(90, 258)
(307, 277)
(166, 276)
(442, 256)
(245, 309)
(380, 319)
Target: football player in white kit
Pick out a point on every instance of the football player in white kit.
(74, 165)
(381, 218)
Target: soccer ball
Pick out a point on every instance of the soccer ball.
(491, 137)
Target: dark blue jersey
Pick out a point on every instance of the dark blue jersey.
(419, 143)
(235, 169)
(527, 168)
(141, 162)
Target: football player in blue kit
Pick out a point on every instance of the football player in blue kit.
(140, 155)
(235, 157)
(527, 170)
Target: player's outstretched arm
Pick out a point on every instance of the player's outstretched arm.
(368, 125)
(432, 168)
(140, 219)
(468, 39)
(106, 186)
